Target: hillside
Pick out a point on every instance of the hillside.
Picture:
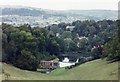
(31, 11)
(38, 17)
(85, 14)
(94, 70)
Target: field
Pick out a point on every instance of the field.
(94, 70)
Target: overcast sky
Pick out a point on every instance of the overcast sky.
(65, 4)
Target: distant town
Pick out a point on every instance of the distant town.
(37, 21)
(40, 17)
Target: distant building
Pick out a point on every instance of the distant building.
(66, 63)
(55, 64)
(82, 37)
(66, 60)
(57, 34)
(70, 27)
(49, 64)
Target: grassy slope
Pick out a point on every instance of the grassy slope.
(58, 72)
(94, 70)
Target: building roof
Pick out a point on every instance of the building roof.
(70, 26)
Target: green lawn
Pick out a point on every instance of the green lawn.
(94, 70)
(58, 72)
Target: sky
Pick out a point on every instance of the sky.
(65, 4)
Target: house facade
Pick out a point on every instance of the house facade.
(48, 64)
(56, 64)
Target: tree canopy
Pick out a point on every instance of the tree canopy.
(24, 46)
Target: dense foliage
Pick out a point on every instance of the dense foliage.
(87, 37)
(24, 46)
(112, 47)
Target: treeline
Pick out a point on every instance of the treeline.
(24, 46)
(111, 49)
(86, 37)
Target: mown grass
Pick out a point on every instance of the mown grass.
(94, 70)
(58, 71)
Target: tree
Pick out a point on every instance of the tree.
(66, 34)
(112, 49)
(26, 60)
(62, 26)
